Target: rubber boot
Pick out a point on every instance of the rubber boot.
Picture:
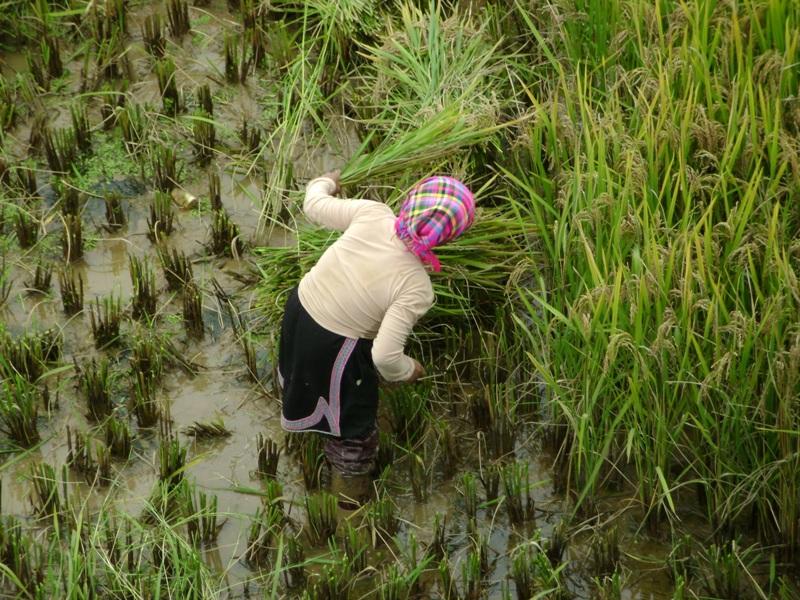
(351, 491)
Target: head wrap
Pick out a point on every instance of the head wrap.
(436, 210)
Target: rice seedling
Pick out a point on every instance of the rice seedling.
(204, 132)
(472, 575)
(382, 518)
(556, 544)
(81, 127)
(168, 86)
(237, 63)
(171, 461)
(214, 191)
(42, 278)
(605, 552)
(312, 462)
(39, 72)
(264, 532)
(132, 121)
(145, 294)
(419, 477)
(96, 385)
(152, 36)
(516, 488)
(213, 429)
(105, 318)
(70, 201)
(176, 267)
(117, 437)
(26, 228)
(46, 499)
(79, 452)
(103, 458)
(115, 215)
(410, 413)
(19, 410)
(321, 517)
(161, 222)
(250, 136)
(148, 356)
(204, 527)
(178, 17)
(143, 394)
(30, 354)
(268, 455)
(225, 236)
(72, 238)
(335, 580)
(114, 101)
(60, 148)
(469, 491)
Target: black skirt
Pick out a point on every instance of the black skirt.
(329, 382)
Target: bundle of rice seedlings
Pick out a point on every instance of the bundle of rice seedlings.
(6, 283)
(153, 36)
(171, 461)
(268, 455)
(19, 410)
(105, 318)
(205, 100)
(204, 132)
(168, 86)
(145, 405)
(225, 237)
(214, 191)
(516, 486)
(215, 428)
(42, 278)
(81, 127)
(70, 201)
(117, 436)
(321, 515)
(176, 266)
(237, 60)
(115, 215)
(145, 294)
(26, 227)
(72, 238)
(178, 17)
(162, 217)
(132, 120)
(30, 354)
(96, 385)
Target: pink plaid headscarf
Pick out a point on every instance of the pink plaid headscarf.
(436, 210)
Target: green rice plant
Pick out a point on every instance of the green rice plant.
(79, 453)
(42, 278)
(117, 437)
(469, 491)
(727, 569)
(490, 481)
(132, 121)
(419, 477)
(105, 318)
(178, 17)
(202, 525)
(19, 410)
(355, 546)
(176, 266)
(532, 570)
(447, 584)
(81, 127)
(215, 428)
(263, 536)
(410, 410)
(145, 406)
(152, 36)
(335, 579)
(516, 488)
(115, 215)
(294, 561)
(161, 222)
(609, 587)
(70, 284)
(72, 238)
(225, 236)
(103, 457)
(171, 461)
(145, 295)
(168, 86)
(312, 462)
(381, 518)
(556, 544)
(472, 575)
(321, 517)
(30, 354)
(21, 554)
(268, 455)
(60, 149)
(38, 71)
(46, 499)
(96, 385)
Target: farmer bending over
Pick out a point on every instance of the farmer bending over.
(348, 320)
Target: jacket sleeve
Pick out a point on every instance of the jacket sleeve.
(326, 210)
(388, 347)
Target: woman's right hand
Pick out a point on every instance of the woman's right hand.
(419, 371)
(334, 176)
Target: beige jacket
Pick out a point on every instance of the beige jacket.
(367, 284)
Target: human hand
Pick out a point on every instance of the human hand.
(419, 371)
(334, 176)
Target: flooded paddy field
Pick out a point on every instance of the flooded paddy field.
(611, 409)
